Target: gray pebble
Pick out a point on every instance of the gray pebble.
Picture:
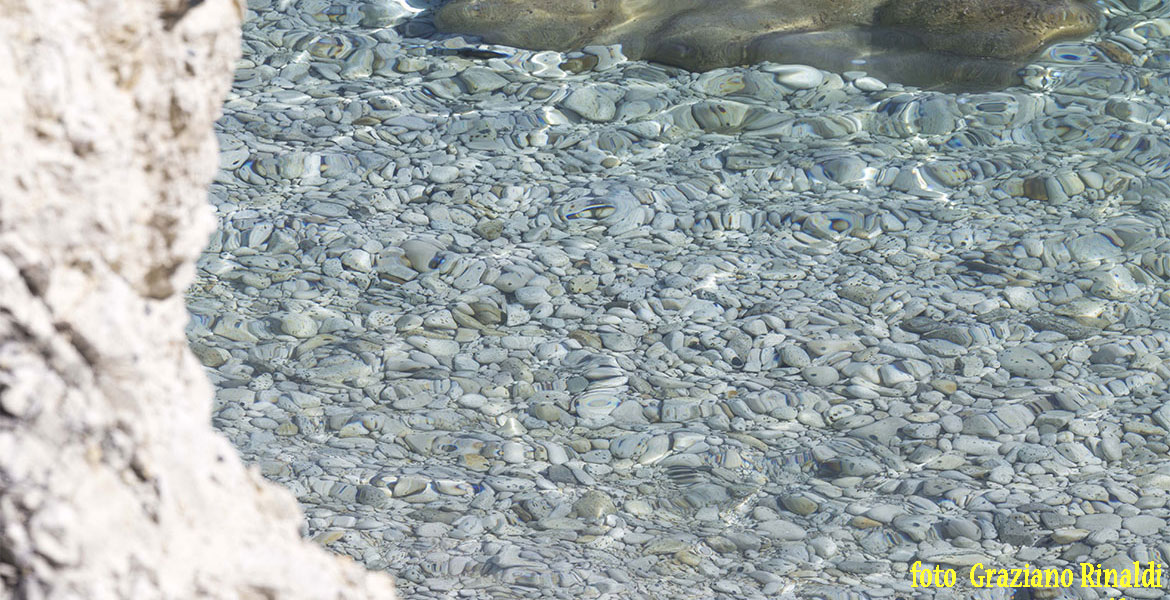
(619, 342)
(820, 376)
(1022, 362)
(794, 356)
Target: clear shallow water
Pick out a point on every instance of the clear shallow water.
(381, 192)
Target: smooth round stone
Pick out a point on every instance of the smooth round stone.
(857, 466)
(884, 513)
(490, 229)
(582, 284)
(298, 325)
(823, 347)
(980, 425)
(782, 530)
(532, 295)
(357, 260)
(717, 543)
(846, 170)
(797, 77)
(411, 402)
(1025, 363)
(328, 209)
(513, 453)
(1143, 525)
(618, 342)
(211, 357)
(917, 527)
(1020, 298)
(419, 254)
(1015, 418)
(1069, 535)
(434, 347)
(576, 384)
(859, 567)
(594, 504)
(820, 376)
(434, 530)
(824, 546)
(951, 423)
(945, 386)
(1110, 447)
(794, 356)
(665, 545)
(629, 446)
(959, 527)
(444, 174)
(1089, 491)
(976, 446)
(490, 356)
(407, 323)
(511, 281)
(862, 522)
(922, 431)
(480, 79)
(561, 474)
(868, 84)
(1002, 474)
(372, 495)
(592, 104)
(799, 504)
(638, 508)
(1098, 522)
(879, 431)
(546, 411)
(679, 410)
(594, 405)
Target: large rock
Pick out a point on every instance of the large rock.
(112, 482)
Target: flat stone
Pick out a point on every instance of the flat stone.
(1015, 418)
(1022, 362)
(959, 527)
(444, 174)
(582, 284)
(884, 513)
(1098, 522)
(1063, 325)
(490, 229)
(481, 79)
(594, 505)
(619, 342)
(881, 431)
(820, 376)
(782, 530)
(799, 504)
(794, 356)
(1069, 535)
(860, 567)
(1162, 416)
(1143, 525)
(855, 466)
(591, 103)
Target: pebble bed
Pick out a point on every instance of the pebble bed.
(517, 324)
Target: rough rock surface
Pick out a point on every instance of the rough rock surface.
(112, 482)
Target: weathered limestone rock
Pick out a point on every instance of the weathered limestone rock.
(112, 482)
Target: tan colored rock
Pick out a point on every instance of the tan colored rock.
(112, 482)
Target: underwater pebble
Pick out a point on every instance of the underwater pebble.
(564, 324)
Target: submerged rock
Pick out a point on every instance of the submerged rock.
(926, 42)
